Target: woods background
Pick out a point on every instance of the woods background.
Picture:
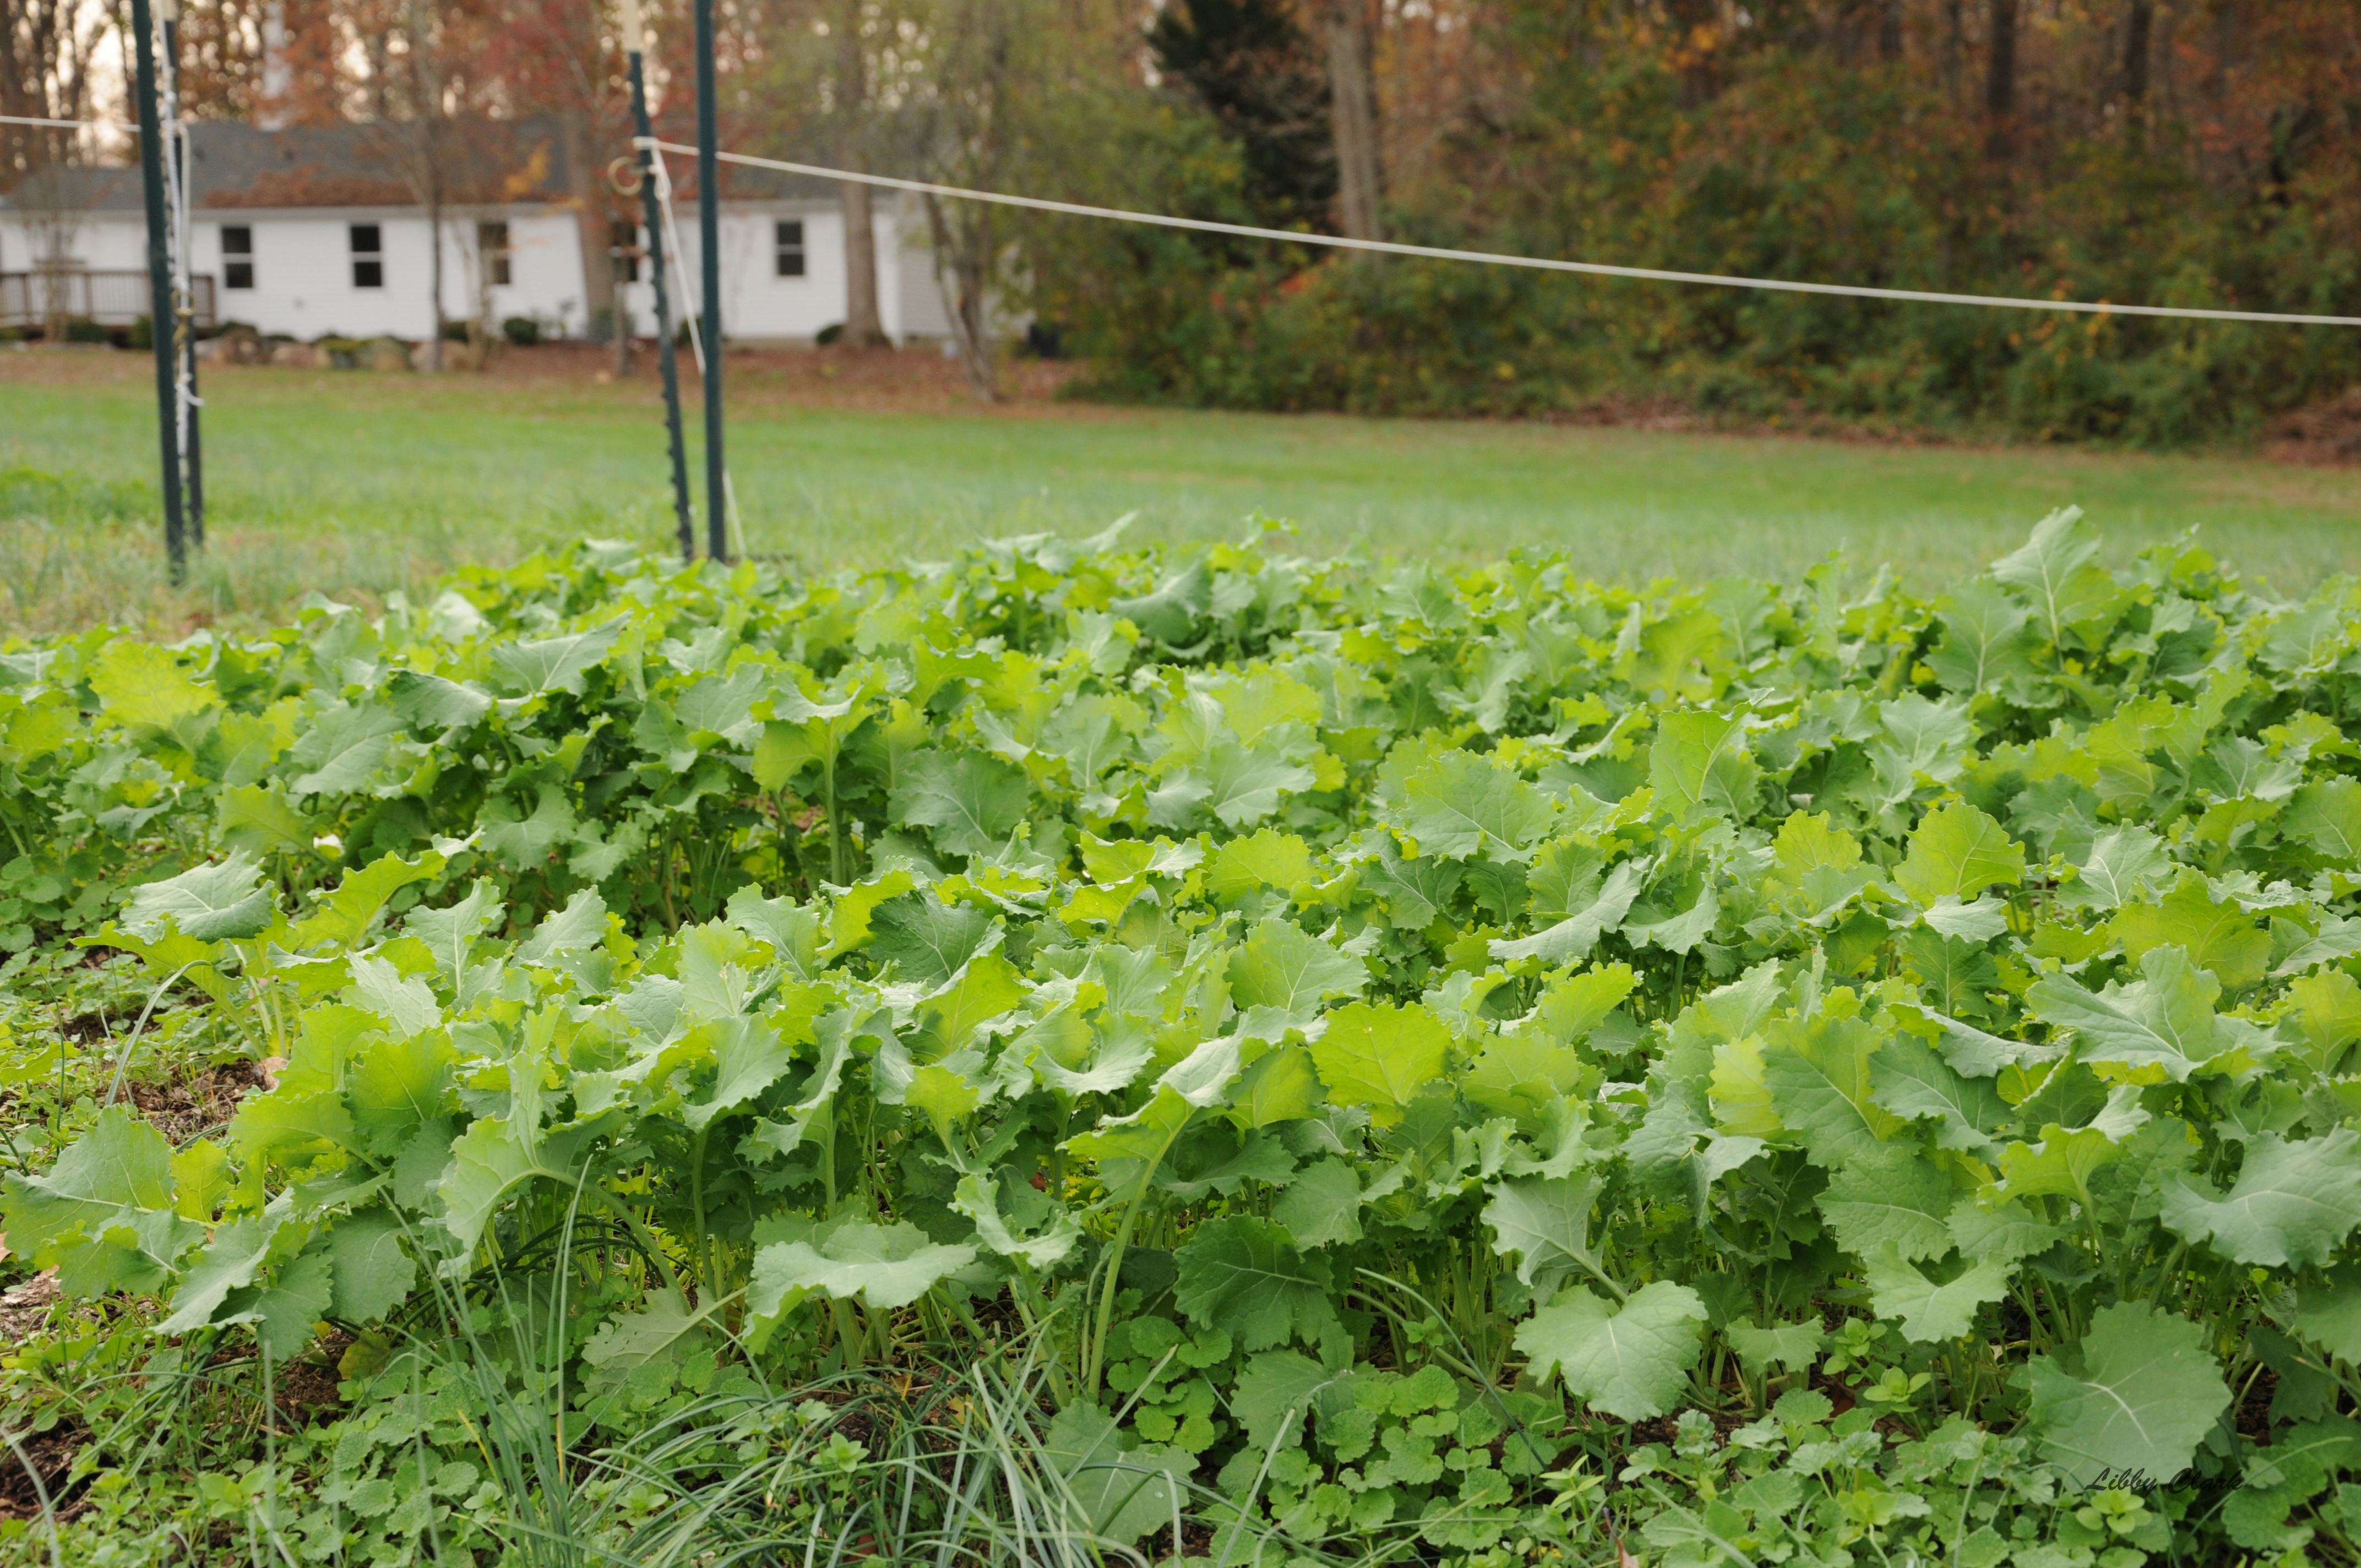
(2196, 153)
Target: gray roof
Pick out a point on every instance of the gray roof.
(75, 191)
(740, 183)
(231, 164)
(486, 163)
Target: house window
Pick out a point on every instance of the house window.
(237, 255)
(623, 245)
(368, 255)
(788, 246)
(492, 245)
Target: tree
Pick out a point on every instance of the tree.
(1250, 64)
(863, 328)
(1002, 95)
(48, 60)
(1353, 104)
(970, 139)
(2000, 79)
(824, 67)
(2139, 23)
(47, 56)
(556, 57)
(276, 62)
(426, 160)
(1696, 40)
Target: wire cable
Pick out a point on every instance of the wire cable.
(1496, 258)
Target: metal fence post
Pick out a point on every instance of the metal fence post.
(184, 327)
(634, 45)
(161, 316)
(708, 229)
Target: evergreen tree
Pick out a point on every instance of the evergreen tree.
(1253, 66)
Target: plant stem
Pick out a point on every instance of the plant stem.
(639, 1230)
(697, 1190)
(835, 828)
(123, 1059)
(1095, 1352)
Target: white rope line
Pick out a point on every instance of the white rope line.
(63, 125)
(1593, 269)
(1441, 253)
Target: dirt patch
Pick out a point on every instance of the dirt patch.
(1655, 1428)
(2254, 1417)
(1667, 1430)
(25, 1308)
(47, 1455)
(308, 1388)
(908, 380)
(915, 379)
(918, 379)
(87, 1029)
(2326, 434)
(192, 1107)
(75, 364)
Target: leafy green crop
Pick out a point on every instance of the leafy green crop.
(1385, 1044)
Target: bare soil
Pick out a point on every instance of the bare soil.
(911, 381)
(39, 1472)
(194, 1106)
(2326, 434)
(25, 1309)
(921, 381)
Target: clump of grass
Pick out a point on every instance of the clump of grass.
(954, 1460)
(63, 573)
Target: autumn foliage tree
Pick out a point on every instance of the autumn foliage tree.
(2179, 151)
(49, 61)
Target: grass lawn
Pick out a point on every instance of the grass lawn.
(350, 482)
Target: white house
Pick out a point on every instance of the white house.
(312, 231)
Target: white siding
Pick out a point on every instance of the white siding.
(544, 272)
(757, 304)
(304, 265)
(304, 275)
(760, 306)
(911, 295)
(303, 271)
(107, 241)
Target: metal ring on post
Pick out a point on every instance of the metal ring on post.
(624, 174)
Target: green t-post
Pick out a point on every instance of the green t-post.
(634, 50)
(184, 328)
(708, 232)
(161, 318)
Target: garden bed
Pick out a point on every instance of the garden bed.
(1075, 1050)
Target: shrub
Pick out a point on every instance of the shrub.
(1796, 166)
